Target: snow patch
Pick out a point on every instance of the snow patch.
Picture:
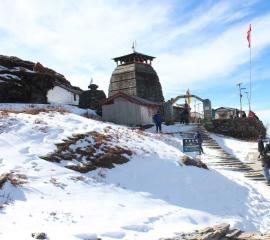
(9, 76)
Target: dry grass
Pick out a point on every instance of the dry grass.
(33, 111)
(99, 153)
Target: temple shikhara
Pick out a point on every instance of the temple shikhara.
(135, 76)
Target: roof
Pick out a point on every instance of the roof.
(69, 88)
(131, 57)
(133, 99)
(226, 109)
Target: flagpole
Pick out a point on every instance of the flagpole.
(250, 78)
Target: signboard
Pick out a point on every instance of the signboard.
(190, 145)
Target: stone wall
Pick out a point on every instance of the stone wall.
(136, 79)
(242, 128)
(92, 99)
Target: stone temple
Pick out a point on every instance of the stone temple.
(134, 75)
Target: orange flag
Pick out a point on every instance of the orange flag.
(249, 35)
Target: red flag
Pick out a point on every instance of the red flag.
(248, 35)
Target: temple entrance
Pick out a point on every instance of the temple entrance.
(169, 111)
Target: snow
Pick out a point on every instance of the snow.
(243, 150)
(9, 76)
(2, 68)
(19, 69)
(151, 196)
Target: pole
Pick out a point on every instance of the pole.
(240, 95)
(248, 100)
(250, 76)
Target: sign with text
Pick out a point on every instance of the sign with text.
(190, 145)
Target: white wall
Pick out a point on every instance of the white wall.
(61, 95)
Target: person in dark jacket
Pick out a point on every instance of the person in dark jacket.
(261, 149)
(265, 158)
(186, 113)
(199, 139)
(157, 120)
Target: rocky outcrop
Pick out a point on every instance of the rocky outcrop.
(26, 82)
(91, 150)
(242, 128)
(220, 232)
(92, 99)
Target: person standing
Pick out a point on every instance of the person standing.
(186, 113)
(261, 149)
(265, 158)
(158, 121)
(199, 139)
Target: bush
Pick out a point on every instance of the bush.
(242, 128)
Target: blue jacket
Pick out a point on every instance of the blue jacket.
(157, 118)
(198, 137)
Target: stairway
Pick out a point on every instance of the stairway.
(224, 160)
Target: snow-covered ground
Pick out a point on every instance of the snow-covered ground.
(151, 196)
(246, 151)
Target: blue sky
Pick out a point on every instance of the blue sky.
(198, 45)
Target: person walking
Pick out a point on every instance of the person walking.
(158, 121)
(199, 139)
(261, 149)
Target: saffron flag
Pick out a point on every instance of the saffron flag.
(249, 35)
(189, 98)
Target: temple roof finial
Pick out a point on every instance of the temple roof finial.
(134, 46)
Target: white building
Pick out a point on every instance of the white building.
(125, 109)
(63, 94)
(225, 113)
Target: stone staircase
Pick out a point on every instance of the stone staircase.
(224, 160)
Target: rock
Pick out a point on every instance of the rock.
(220, 232)
(20, 84)
(92, 98)
(188, 161)
(39, 235)
(38, 67)
(3, 179)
